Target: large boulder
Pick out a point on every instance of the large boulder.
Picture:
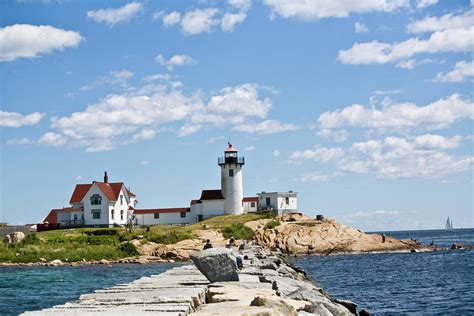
(14, 237)
(217, 264)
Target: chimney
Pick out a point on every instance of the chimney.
(106, 177)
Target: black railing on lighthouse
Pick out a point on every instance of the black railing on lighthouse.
(236, 160)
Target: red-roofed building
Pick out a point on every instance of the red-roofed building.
(96, 204)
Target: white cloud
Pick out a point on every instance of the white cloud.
(13, 119)
(52, 139)
(158, 15)
(113, 16)
(276, 153)
(321, 154)
(243, 5)
(360, 28)
(215, 139)
(429, 141)
(156, 77)
(438, 114)
(78, 178)
(309, 10)
(249, 148)
(315, 177)
(338, 136)
(463, 70)
(423, 156)
(171, 19)
(407, 64)
(230, 20)
(176, 60)
(266, 127)
(445, 22)
(119, 77)
(29, 41)
(145, 162)
(449, 40)
(376, 213)
(20, 141)
(420, 4)
(139, 113)
(199, 21)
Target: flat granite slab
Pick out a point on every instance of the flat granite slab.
(178, 291)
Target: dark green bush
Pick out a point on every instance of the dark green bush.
(238, 231)
(272, 224)
(31, 239)
(102, 232)
(129, 249)
(171, 237)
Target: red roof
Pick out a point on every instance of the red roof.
(69, 209)
(196, 202)
(230, 148)
(162, 210)
(79, 193)
(250, 199)
(211, 195)
(52, 217)
(111, 191)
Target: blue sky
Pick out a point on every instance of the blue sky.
(364, 108)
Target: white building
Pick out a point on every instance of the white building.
(100, 204)
(283, 202)
(231, 180)
(108, 204)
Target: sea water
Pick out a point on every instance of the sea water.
(440, 282)
(32, 288)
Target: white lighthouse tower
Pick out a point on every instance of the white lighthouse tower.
(231, 180)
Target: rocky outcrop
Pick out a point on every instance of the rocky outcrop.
(217, 264)
(14, 238)
(324, 237)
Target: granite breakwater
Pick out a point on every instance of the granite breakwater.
(267, 285)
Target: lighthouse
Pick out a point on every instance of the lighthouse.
(231, 180)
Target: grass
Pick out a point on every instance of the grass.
(272, 224)
(90, 244)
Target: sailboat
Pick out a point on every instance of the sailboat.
(449, 224)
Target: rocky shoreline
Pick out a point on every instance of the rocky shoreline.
(267, 285)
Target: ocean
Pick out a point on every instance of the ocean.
(397, 283)
(32, 288)
(440, 282)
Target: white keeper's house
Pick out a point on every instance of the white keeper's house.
(105, 204)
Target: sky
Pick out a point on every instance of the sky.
(362, 107)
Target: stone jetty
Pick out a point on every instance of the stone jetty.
(266, 285)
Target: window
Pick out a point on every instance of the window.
(252, 204)
(121, 199)
(156, 215)
(75, 217)
(113, 214)
(287, 200)
(96, 199)
(268, 201)
(121, 215)
(183, 214)
(231, 172)
(96, 214)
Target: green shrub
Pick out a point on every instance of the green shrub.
(238, 231)
(129, 249)
(269, 214)
(170, 237)
(31, 239)
(272, 224)
(102, 232)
